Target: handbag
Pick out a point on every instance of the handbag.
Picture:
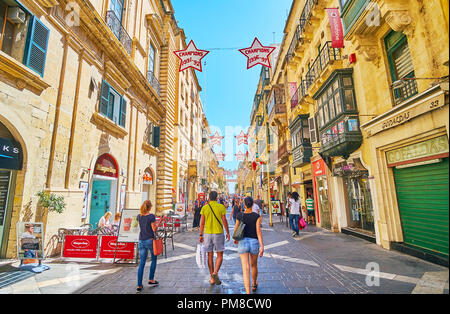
(157, 246)
(238, 233)
(302, 223)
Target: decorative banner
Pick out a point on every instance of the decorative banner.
(191, 57)
(108, 248)
(216, 139)
(257, 54)
(242, 138)
(80, 246)
(294, 94)
(84, 186)
(337, 32)
(220, 156)
(240, 156)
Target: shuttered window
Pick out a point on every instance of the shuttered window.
(37, 43)
(112, 104)
(312, 129)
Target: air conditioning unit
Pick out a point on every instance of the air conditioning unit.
(16, 15)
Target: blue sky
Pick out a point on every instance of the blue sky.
(229, 25)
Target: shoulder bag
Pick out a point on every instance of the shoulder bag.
(238, 233)
(215, 216)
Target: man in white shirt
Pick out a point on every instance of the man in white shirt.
(256, 209)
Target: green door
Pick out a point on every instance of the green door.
(100, 200)
(422, 194)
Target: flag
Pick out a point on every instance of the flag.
(337, 32)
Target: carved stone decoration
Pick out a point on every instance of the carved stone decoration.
(370, 53)
(398, 20)
(21, 84)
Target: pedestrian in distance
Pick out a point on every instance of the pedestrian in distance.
(212, 224)
(147, 225)
(197, 216)
(251, 246)
(310, 208)
(295, 213)
(237, 208)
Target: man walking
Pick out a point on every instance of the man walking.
(212, 223)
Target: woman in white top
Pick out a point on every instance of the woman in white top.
(104, 221)
(295, 212)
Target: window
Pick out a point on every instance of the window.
(23, 36)
(336, 98)
(301, 132)
(112, 105)
(401, 66)
(151, 58)
(117, 7)
(153, 135)
(312, 129)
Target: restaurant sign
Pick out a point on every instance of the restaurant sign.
(429, 148)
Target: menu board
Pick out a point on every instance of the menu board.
(129, 226)
(4, 186)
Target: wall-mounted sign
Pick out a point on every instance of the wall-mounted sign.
(147, 177)
(319, 168)
(428, 148)
(84, 186)
(106, 166)
(10, 154)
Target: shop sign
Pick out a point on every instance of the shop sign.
(431, 147)
(106, 166)
(10, 154)
(402, 115)
(80, 246)
(319, 168)
(110, 248)
(147, 177)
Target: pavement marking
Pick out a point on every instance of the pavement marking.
(431, 282)
(185, 246)
(176, 258)
(293, 260)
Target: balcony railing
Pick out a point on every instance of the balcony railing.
(116, 27)
(326, 56)
(299, 94)
(153, 81)
(301, 154)
(298, 35)
(404, 89)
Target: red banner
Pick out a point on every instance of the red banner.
(337, 31)
(294, 94)
(77, 246)
(125, 250)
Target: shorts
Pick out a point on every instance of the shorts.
(248, 245)
(214, 242)
(311, 213)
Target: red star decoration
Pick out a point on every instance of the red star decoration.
(242, 138)
(240, 156)
(216, 139)
(257, 54)
(220, 156)
(191, 57)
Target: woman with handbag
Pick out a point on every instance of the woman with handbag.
(147, 225)
(248, 224)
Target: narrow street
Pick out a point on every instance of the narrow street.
(317, 262)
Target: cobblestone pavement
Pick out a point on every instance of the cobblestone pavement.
(317, 262)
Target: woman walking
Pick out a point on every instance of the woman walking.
(251, 245)
(147, 225)
(295, 212)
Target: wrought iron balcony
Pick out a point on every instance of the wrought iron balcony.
(299, 30)
(404, 88)
(116, 27)
(154, 82)
(299, 94)
(327, 55)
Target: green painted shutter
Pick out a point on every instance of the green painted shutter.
(104, 99)
(156, 136)
(123, 112)
(36, 49)
(422, 194)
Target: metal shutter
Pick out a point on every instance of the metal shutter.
(422, 194)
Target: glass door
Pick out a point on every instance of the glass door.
(359, 208)
(324, 204)
(5, 181)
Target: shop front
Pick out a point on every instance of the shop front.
(411, 173)
(148, 185)
(321, 194)
(10, 163)
(104, 188)
(358, 199)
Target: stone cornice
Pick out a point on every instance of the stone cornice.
(115, 51)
